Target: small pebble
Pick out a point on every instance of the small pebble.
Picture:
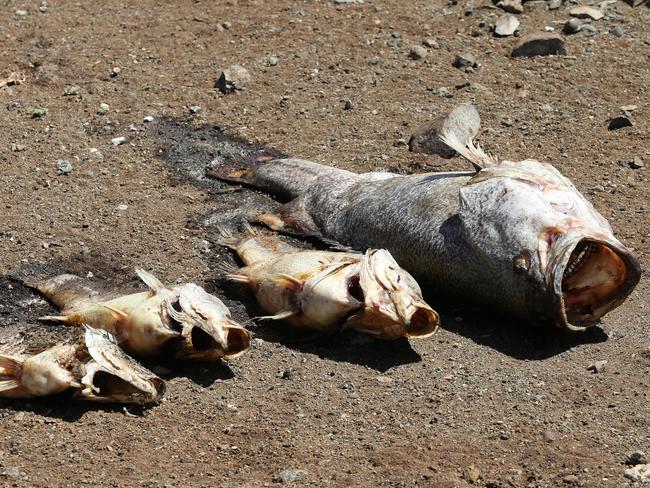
(550, 436)
(21, 13)
(586, 12)
(115, 72)
(417, 53)
(63, 166)
(541, 44)
(617, 31)
(194, 109)
(511, 6)
(71, 90)
(233, 78)
(116, 141)
(619, 122)
(273, 60)
(597, 366)
(443, 91)
(148, 119)
(465, 61)
(637, 163)
(103, 109)
(636, 457)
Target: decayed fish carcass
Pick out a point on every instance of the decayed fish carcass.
(183, 321)
(96, 368)
(329, 291)
(517, 235)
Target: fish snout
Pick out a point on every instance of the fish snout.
(591, 274)
(210, 342)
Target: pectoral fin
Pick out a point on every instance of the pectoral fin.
(292, 218)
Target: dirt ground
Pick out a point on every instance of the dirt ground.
(517, 404)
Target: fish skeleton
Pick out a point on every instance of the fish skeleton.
(328, 291)
(184, 321)
(516, 235)
(96, 368)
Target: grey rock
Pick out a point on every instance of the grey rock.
(506, 25)
(511, 6)
(540, 44)
(233, 78)
(347, 104)
(637, 163)
(443, 91)
(573, 26)
(347, 2)
(640, 472)
(465, 61)
(597, 366)
(147, 119)
(589, 30)
(617, 31)
(115, 72)
(289, 475)
(554, 4)
(619, 122)
(636, 457)
(117, 141)
(586, 12)
(12, 472)
(194, 109)
(63, 167)
(71, 90)
(464, 120)
(417, 52)
(431, 43)
(273, 60)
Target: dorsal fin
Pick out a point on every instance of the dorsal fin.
(150, 280)
(473, 153)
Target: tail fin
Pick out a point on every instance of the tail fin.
(473, 153)
(10, 371)
(286, 178)
(66, 291)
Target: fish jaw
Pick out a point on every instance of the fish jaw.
(589, 274)
(392, 303)
(208, 331)
(112, 376)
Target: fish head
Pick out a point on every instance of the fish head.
(208, 331)
(110, 375)
(541, 239)
(392, 303)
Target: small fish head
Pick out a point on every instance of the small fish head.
(566, 263)
(110, 375)
(51, 371)
(208, 331)
(393, 306)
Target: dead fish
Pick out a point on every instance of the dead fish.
(96, 368)
(183, 321)
(329, 291)
(516, 235)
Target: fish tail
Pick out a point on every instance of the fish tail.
(10, 372)
(66, 291)
(286, 178)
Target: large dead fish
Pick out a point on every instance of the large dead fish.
(183, 321)
(329, 291)
(517, 235)
(96, 369)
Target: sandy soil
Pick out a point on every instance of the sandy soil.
(517, 404)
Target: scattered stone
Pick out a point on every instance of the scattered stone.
(635, 3)
(586, 12)
(511, 6)
(465, 62)
(147, 119)
(417, 52)
(289, 475)
(117, 141)
(18, 147)
(464, 121)
(12, 472)
(347, 104)
(273, 60)
(472, 474)
(233, 78)
(103, 109)
(597, 366)
(443, 91)
(619, 122)
(554, 4)
(617, 31)
(640, 472)
(21, 13)
(194, 109)
(628, 108)
(540, 44)
(571, 479)
(636, 457)
(345, 2)
(71, 90)
(573, 26)
(506, 25)
(115, 72)
(431, 43)
(550, 436)
(637, 163)
(19, 417)
(95, 153)
(63, 167)
(285, 374)
(589, 30)
(37, 112)
(122, 207)
(396, 34)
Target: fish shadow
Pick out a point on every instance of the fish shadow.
(519, 339)
(204, 374)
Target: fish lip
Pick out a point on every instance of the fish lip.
(560, 256)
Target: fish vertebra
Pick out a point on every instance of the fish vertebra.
(183, 320)
(328, 291)
(96, 368)
(517, 235)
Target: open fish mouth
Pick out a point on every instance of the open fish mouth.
(593, 276)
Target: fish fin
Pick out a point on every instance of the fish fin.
(117, 314)
(292, 218)
(285, 314)
(286, 280)
(242, 170)
(239, 278)
(10, 365)
(149, 279)
(226, 267)
(54, 318)
(7, 385)
(336, 245)
(473, 153)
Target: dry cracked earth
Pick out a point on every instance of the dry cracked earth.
(486, 402)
